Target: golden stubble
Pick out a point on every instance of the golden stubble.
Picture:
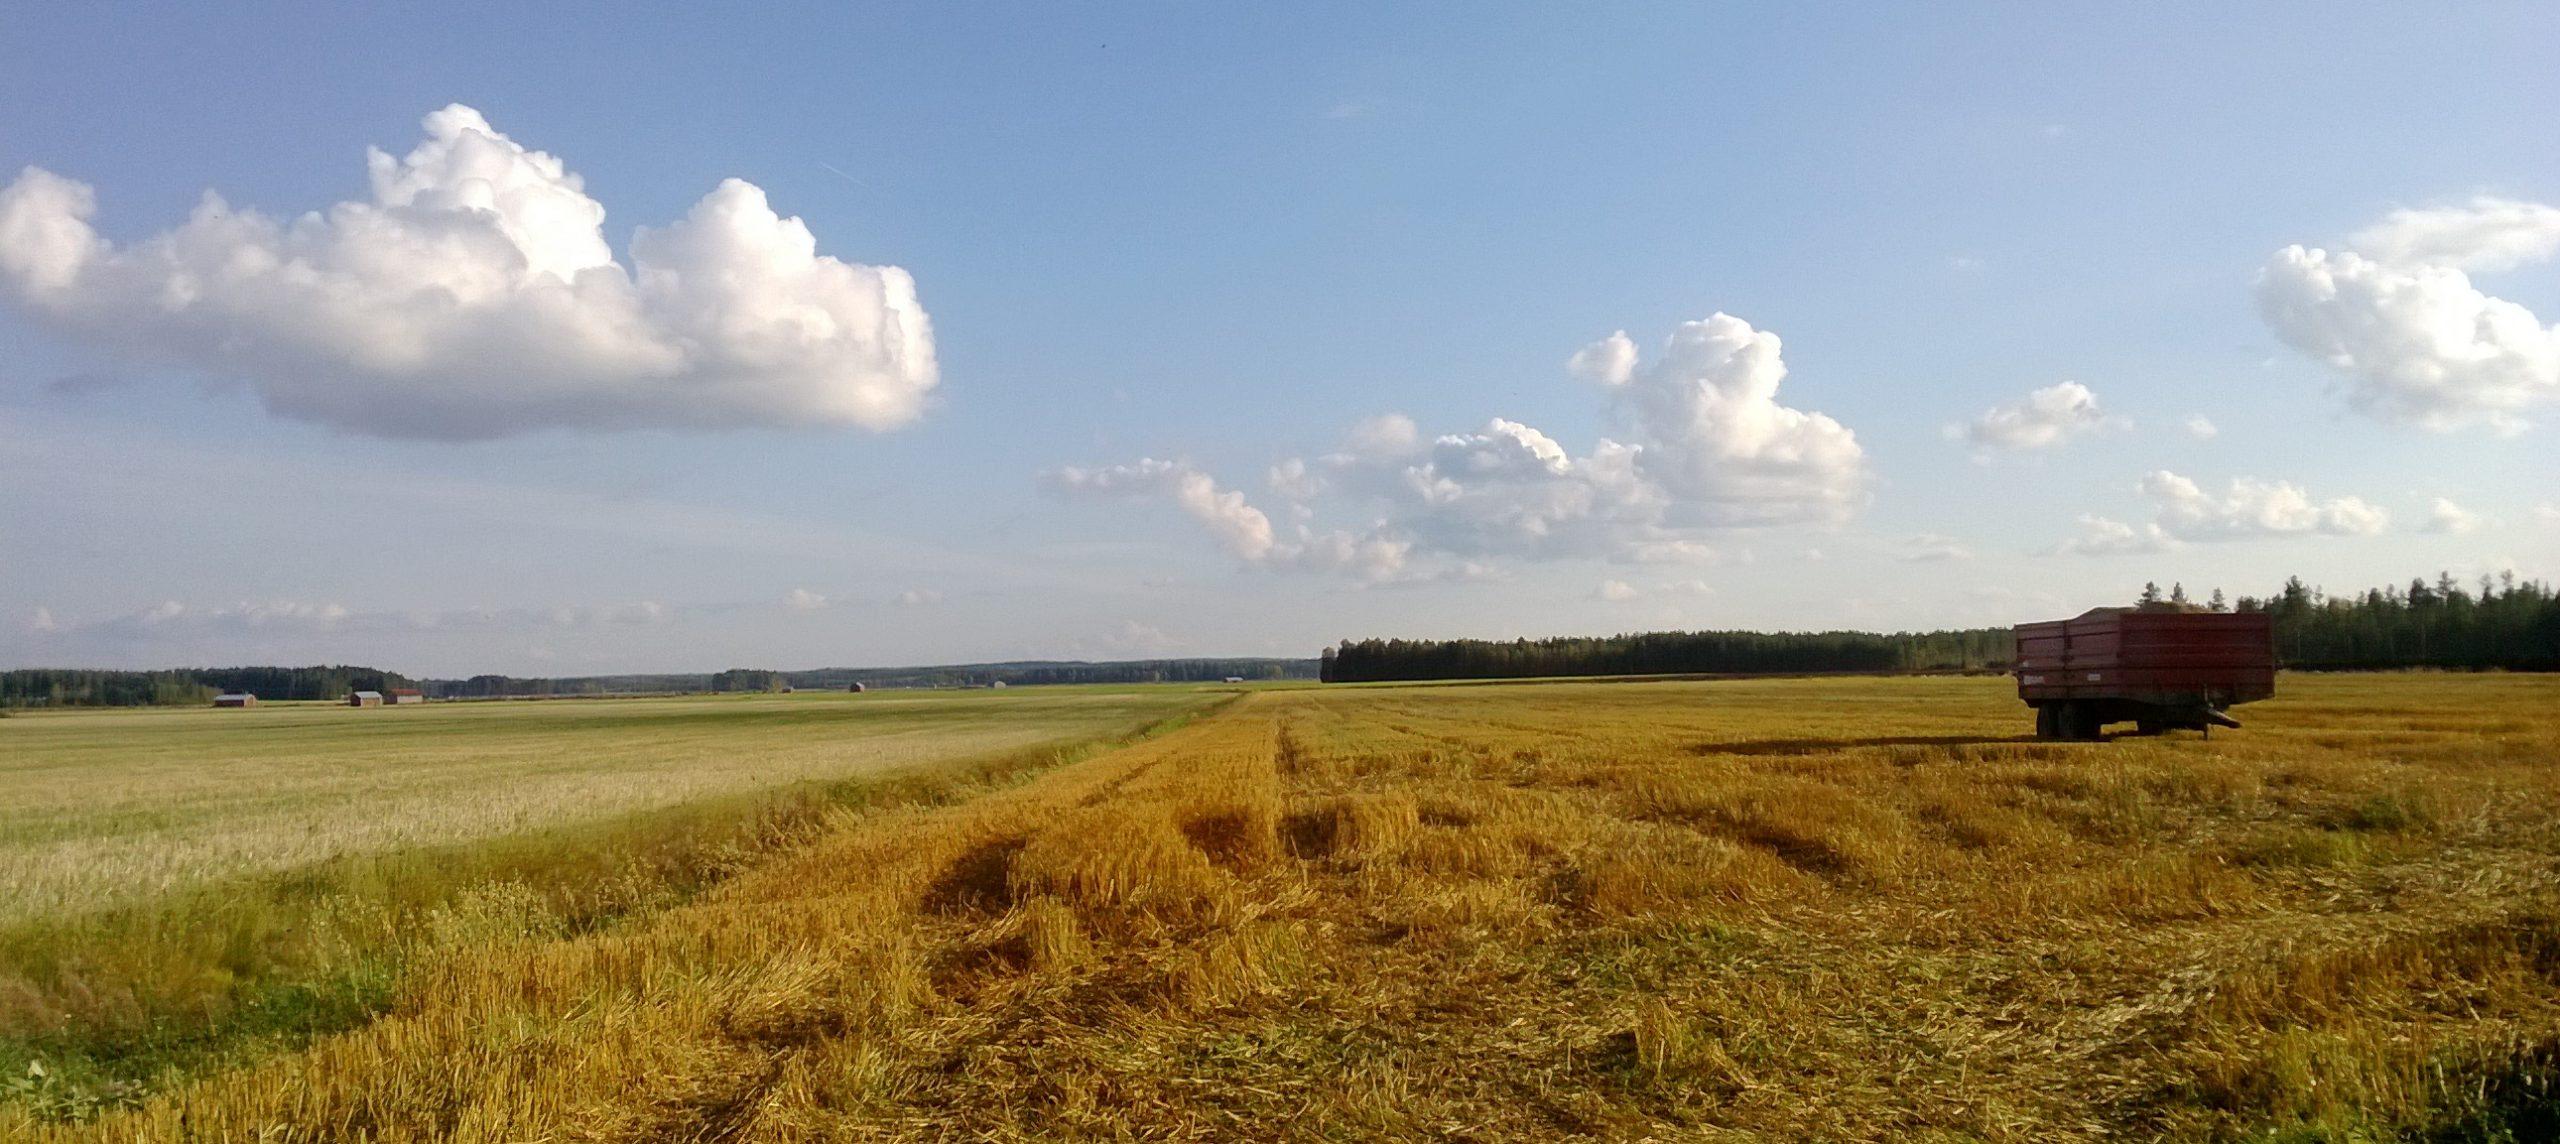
(1782, 909)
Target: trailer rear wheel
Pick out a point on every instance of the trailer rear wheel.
(2048, 720)
(2079, 720)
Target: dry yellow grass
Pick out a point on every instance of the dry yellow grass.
(180, 889)
(1811, 909)
(106, 807)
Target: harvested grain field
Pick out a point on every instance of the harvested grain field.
(183, 889)
(104, 807)
(1798, 909)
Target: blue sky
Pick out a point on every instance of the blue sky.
(1165, 249)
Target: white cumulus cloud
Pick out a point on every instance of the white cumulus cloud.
(2252, 508)
(2445, 516)
(803, 600)
(2399, 315)
(474, 295)
(2201, 428)
(1615, 591)
(1707, 446)
(1385, 437)
(1294, 480)
(2044, 418)
(1707, 428)
(1609, 361)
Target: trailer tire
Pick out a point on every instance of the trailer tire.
(2048, 720)
(2080, 720)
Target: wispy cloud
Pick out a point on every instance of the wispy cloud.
(2248, 509)
(2100, 536)
(1930, 548)
(2444, 516)
(2043, 419)
(177, 621)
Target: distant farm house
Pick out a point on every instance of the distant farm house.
(1235, 679)
(235, 699)
(856, 688)
(404, 695)
(364, 699)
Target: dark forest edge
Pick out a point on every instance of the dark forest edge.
(195, 686)
(2502, 623)
(2499, 623)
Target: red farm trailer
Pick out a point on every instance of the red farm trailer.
(2159, 668)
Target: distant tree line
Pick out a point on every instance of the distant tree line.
(184, 686)
(2503, 622)
(54, 687)
(1038, 672)
(539, 686)
(1667, 653)
(748, 679)
(58, 687)
(1017, 674)
(2499, 622)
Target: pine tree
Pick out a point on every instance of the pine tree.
(2150, 593)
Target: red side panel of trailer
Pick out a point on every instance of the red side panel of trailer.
(2219, 658)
